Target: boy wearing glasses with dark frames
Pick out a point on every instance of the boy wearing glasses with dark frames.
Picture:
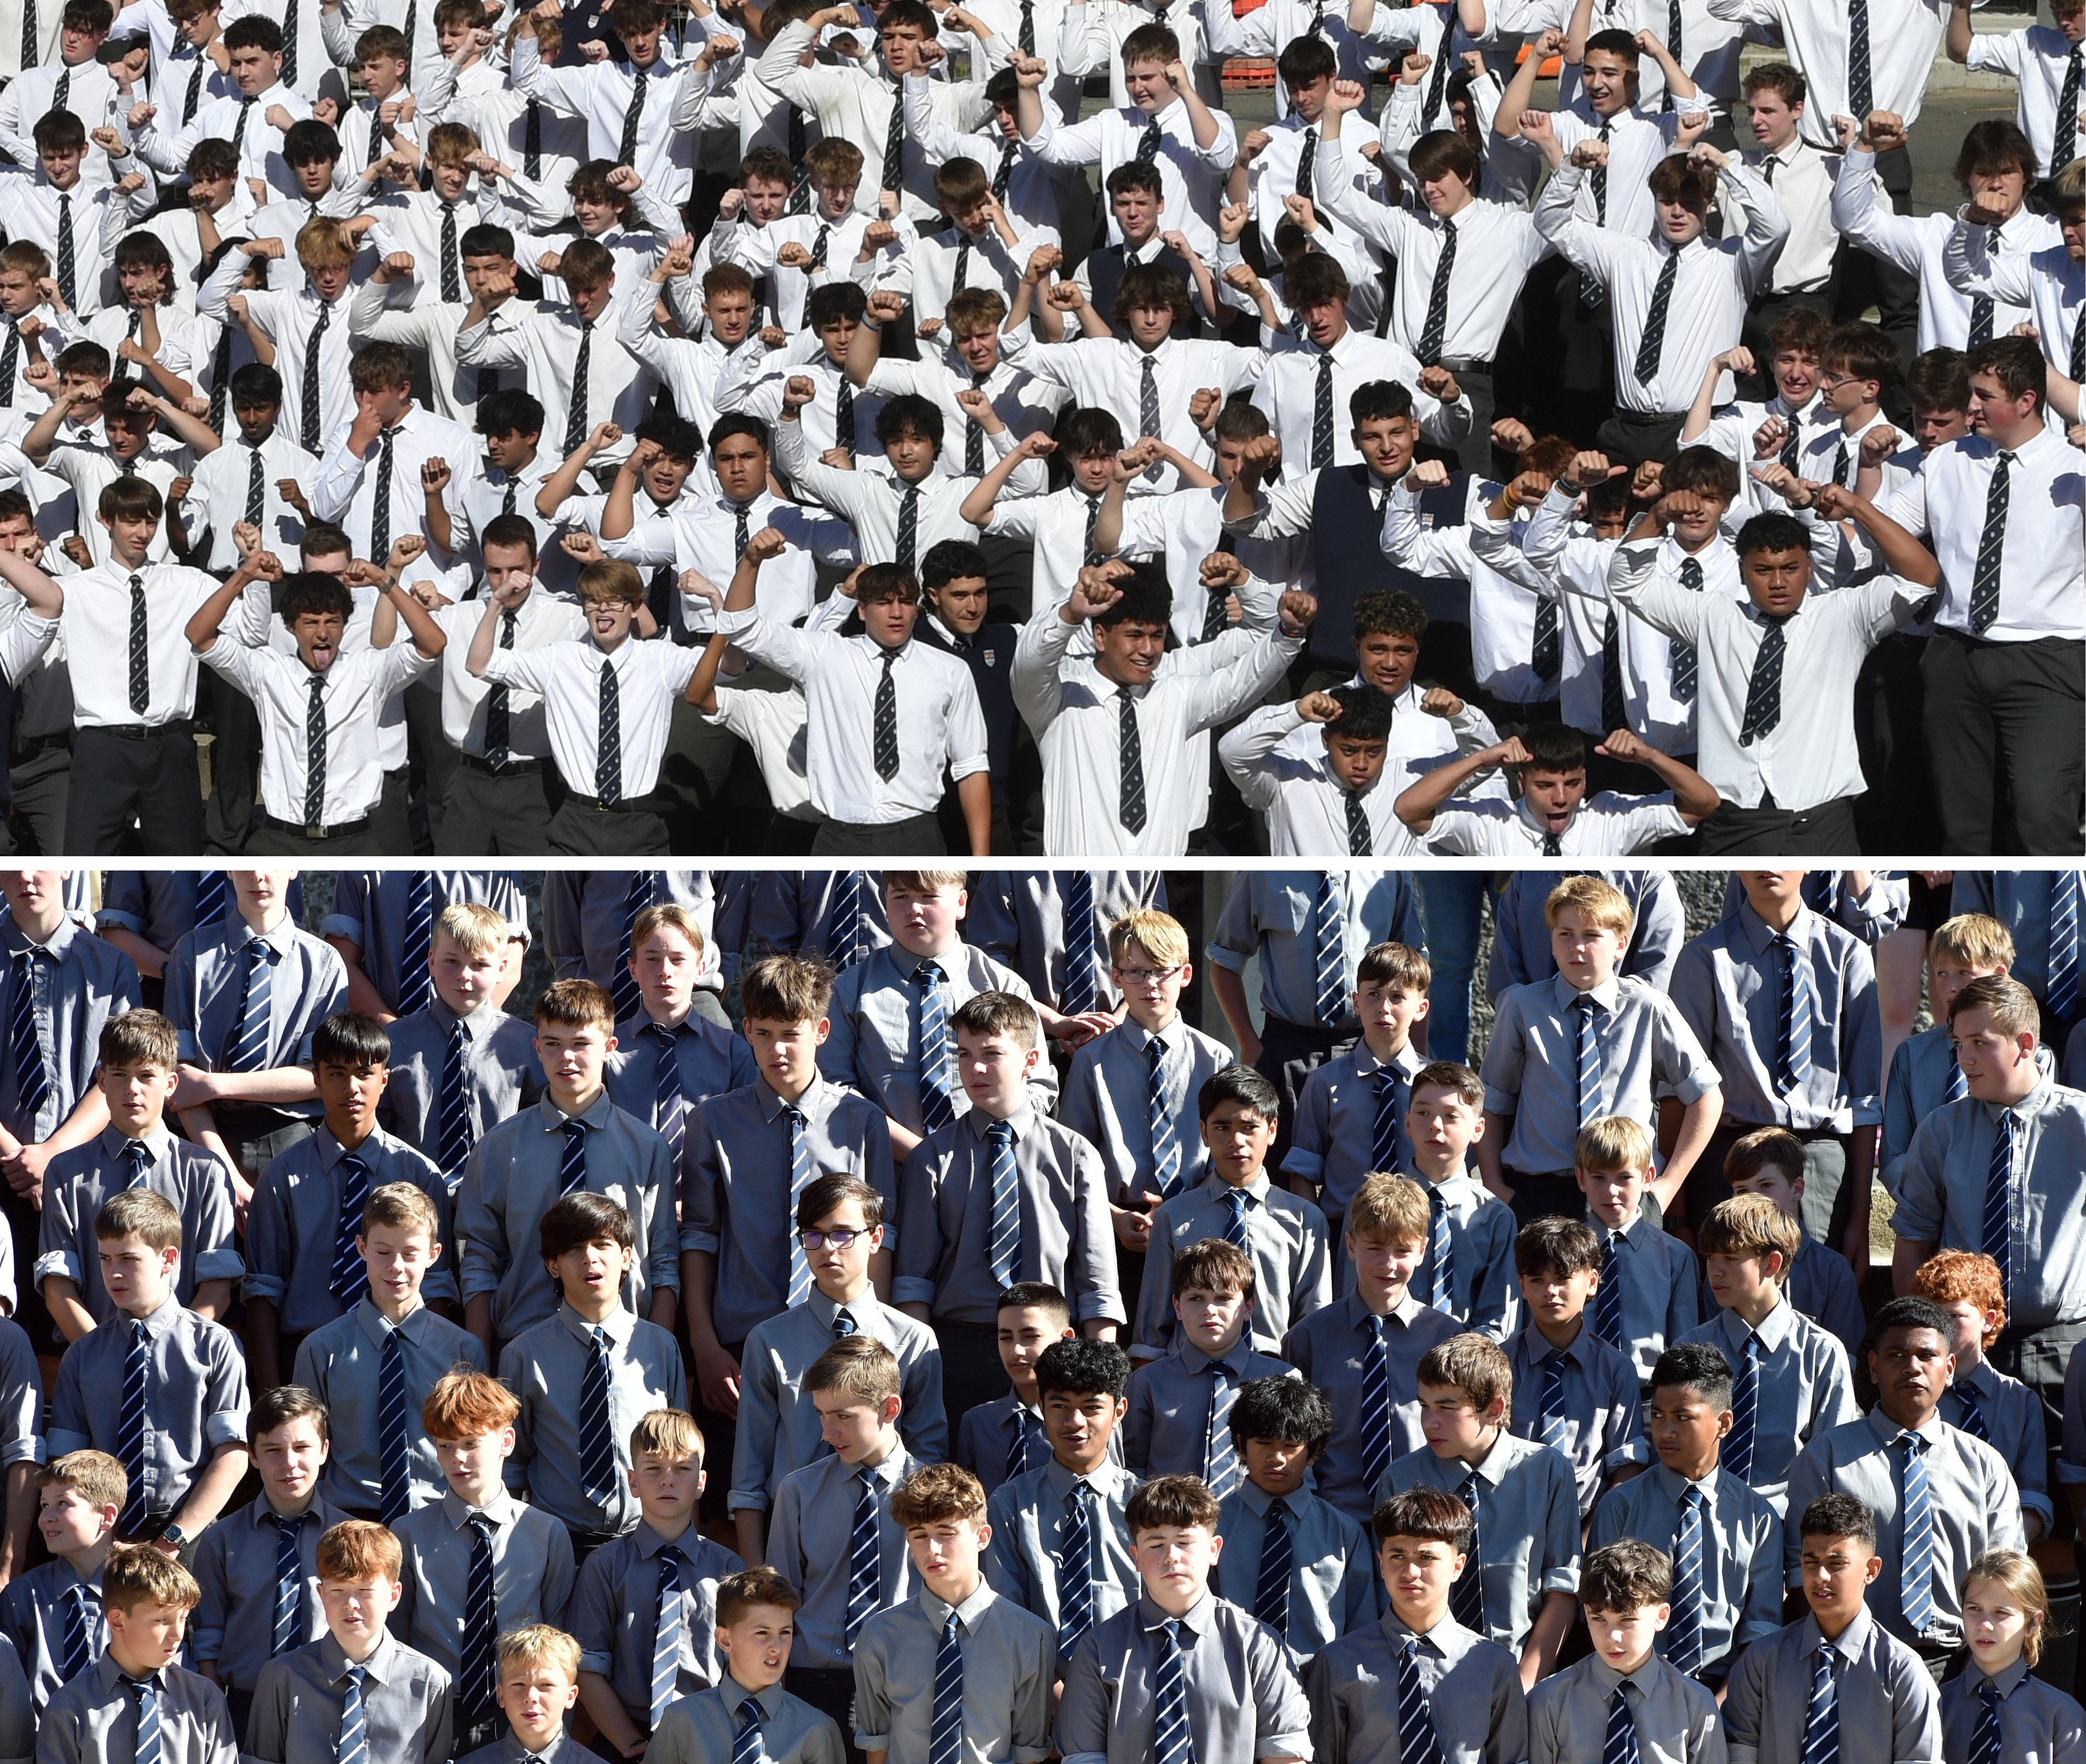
(840, 1224)
(1131, 1094)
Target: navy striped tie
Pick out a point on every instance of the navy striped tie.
(1467, 1598)
(1166, 1159)
(573, 1161)
(1794, 1021)
(1553, 1426)
(1588, 1060)
(2062, 987)
(289, 1626)
(639, 893)
(1172, 1742)
(1237, 1200)
(1917, 1555)
(1376, 1406)
(251, 1038)
(668, 1633)
(865, 1557)
(598, 1470)
(130, 1429)
(394, 1440)
(1021, 1443)
(945, 1737)
(350, 1276)
(1082, 988)
(1329, 942)
(1220, 1465)
(146, 1748)
(1999, 1199)
(1418, 1741)
(1389, 1115)
(1441, 1254)
(745, 1746)
(481, 1627)
(937, 1109)
(1619, 1746)
(1003, 1223)
(1277, 1555)
(1738, 1452)
(455, 1130)
(1971, 1418)
(801, 1170)
(416, 983)
(1608, 1295)
(354, 1744)
(1985, 1736)
(847, 922)
(1684, 1630)
(1821, 1725)
(32, 1086)
(670, 1097)
(1075, 1571)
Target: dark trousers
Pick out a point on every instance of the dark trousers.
(1289, 1054)
(582, 827)
(918, 836)
(153, 779)
(235, 761)
(1827, 830)
(1825, 1209)
(1897, 812)
(972, 1374)
(277, 838)
(720, 1436)
(2011, 711)
(1631, 437)
(505, 813)
(1544, 1194)
(41, 782)
(830, 1690)
(1474, 452)
(1567, 355)
(694, 770)
(432, 762)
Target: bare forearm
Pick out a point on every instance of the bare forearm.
(210, 1491)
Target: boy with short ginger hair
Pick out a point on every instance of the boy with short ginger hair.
(1004, 1438)
(575, 1139)
(140, 1067)
(1366, 1347)
(304, 1232)
(1626, 1036)
(191, 1453)
(1627, 1589)
(1466, 1268)
(1284, 1234)
(1351, 1117)
(1180, 1403)
(1790, 1380)
(1007, 1658)
(1779, 1698)
(381, 1462)
(706, 1058)
(1467, 1687)
(1646, 1299)
(476, 1548)
(1727, 1582)
(149, 1597)
(1924, 1073)
(650, 1595)
(756, 1629)
(1298, 1562)
(538, 1668)
(461, 1063)
(1578, 1394)
(249, 1610)
(52, 1613)
(1237, 1689)
(1521, 1494)
(1819, 1283)
(302, 1712)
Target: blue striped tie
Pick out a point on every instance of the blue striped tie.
(455, 1131)
(1608, 1295)
(394, 1442)
(1237, 1200)
(1075, 1571)
(416, 983)
(1589, 1059)
(865, 1557)
(847, 924)
(1619, 1746)
(130, 1430)
(668, 1633)
(1440, 1256)
(1958, 1085)
(213, 899)
(1376, 1406)
(598, 1477)
(1329, 947)
(1418, 1741)
(801, 1172)
(622, 990)
(1278, 1556)
(289, 1626)
(1684, 1630)
(1916, 1555)
(32, 1084)
(1220, 1465)
(1172, 1742)
(1795, 1020)
(481, 1627)
(1021, 1441)
(572, 1162)
(1738, 1453)
(670, 1097)
(937, 1106)
(145, 1750)
(1985, 1736)
(1390, 1118)
(1999, 1199)
(1553, 1426)
(350, 1276)
(945, 1737)
(1002, 1242)
(354, 1744)
(844, 1323)
(1971, 1418)
(2062, 985)
(1821, 1724)
(745, 1746)
(251, 1037)
(77, 1648)
(1081, 989)
(1467, 1598)
(1166, 1161)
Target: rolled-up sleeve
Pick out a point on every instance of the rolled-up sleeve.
(1504, 1053)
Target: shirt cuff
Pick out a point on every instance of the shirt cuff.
(2069, 1474)
(1697, 1085)
(1564, 1578)
(1501, 1102)
(265, 1287)
(707, 1242)
(1904, 1222)
(227, 1428)
(732, 624)
(51, 1262)
(226, 1264)
(29, 1449)
(873, 1742)
(1307, 1164)
(60, 1440)
(603, 1664)
(908, 1289)
(337, 924)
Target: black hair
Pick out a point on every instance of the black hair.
(1696, 1366)
(1839, 1515)
(348, 1037)
(1773, 532)
(1146, 599)
(508, 530)
(1554, 747)
(256, 383)
(909, 413)
(952, 558)
(738, 423)
(486, 241)
(1286, 1408)
(510, 410)
(1238, 1084)
(580, 1218)
(313, 591)
(1082, 1367)
(308, 141)
(1377, 399)
(1364, 714)
(835, 300)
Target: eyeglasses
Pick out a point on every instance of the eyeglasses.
(828, 1239)
(1146, 976)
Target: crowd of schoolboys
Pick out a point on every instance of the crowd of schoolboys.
(1055, 1382)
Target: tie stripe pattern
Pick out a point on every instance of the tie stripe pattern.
(1588, 1057)
(1330, 946)
(598, 1468)
(1821, 1725)
(573, 1159)
(1271, 1591)
(1075, 1571)
(669, 1097)
(351, 1277)
(1737, 1455)
(1762, 714)
(481, 1626)
(945, 1733)
(1003, 1230)
(1440, 1256)
(25, 1043)
(1166, 1158)
(1608, 1295)
(1970, 1411)
(1999, 1232)
(1917, 1556)
(937, 1088)
(1081, 992)
(1985, 1734)
(1618, 1746)
(1172, 1742)
(746, 1743)
(1795, 1018)
(353, 1747)
(1220, 1463)
(1467, 1598)
(1388, 1119)
(1130, 810)
(1684, 1628)
(455, 1129)
(147, 1749)
(1651, 345)
(250, 1040)
(1991, 548)
(130, 1428)
(864, 1572)
(1377, 1407)
(670, 1628)
(315, 750)
(1418, 1740)
(1553, 1426)
(802, 1170)
(394, 1437)
(2061, 986)
(416, 981)
(287, 1631)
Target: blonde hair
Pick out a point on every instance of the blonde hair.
(141, 1574)
(323, 243)
(1158, 936)
(1972, 938)
(2017, 1575)
(475, 927)
(1596, 900)
(1392, 1209)
(97, 1477)
(610, 581)
(1751, 1225)
(667, 1432)
(540, 1644)
(402, 1205)
(1613, 1143)
(923, 881)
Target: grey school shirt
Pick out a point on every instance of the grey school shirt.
(33, 1617)
(1009, 1671)
(1805, 1388)
(532, 1572)
(700, 1729)
(2038, 1722)
(1599, 1408)
(1675, 1718)
(369, 911)
(512, 1181)
(1285, 1239)
(76, 1183)
(1333, 1583)
(2013, 1428)
(501, 1074)
(615, 1614)
(1271, 914)
(1474, 1697)
(1167, 1427)
(1243, 1702)
(779, 1430)
(297, 1707)
(1108, 1099)
(814, 1524)
(234, 1626)
(1028, 1517)
(94, 1719)
(77, 983)
(207, 990)
(1484, 1291)
(1889, 1711)
(1656, 1272)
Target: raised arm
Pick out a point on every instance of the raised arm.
(1424, 798)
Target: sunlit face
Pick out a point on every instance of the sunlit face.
(961, 603)
(842, 1268)
(1610, 82)
(1623, 1638)
(535, 1696)
(1995, 412)
(1384, 1266)
(945, 1555)
(1551, 797)
(1442, 1124)
(254, 70)
(1795, 376)
(1996, 1067)
(1386, 658)
(1741, 1282)
(289, 1459)
(665, 966)
(1586, 952)
(1174, 1561)
(741, 464)
(1079, 1424)
(1947, 975)
(1996, 1624)
(17, 292)
(1685, 1428)
(1774, 119)
(1453, 1424)
(138, 1278)
(995, 1070)
(1615, 1196)
(1239, 1138)
(924, 921)
(1148, 86)
(1212, 1317)
(350, 1094)
(572, 1055)
(146, 1636)
(667, 1484)
(1386, 446)
(1136, 212)
(729, 312)
(1023, 1331)
(1933, 428)
(69, 1521)
(756, 1647)
(1559, 1295)
(787, 1052)
(1910, 1368)
(474, 1465)
(1418, 1572)
(137, 1095)
(912, 454)
(1278, 1466)
(356, 1611)
(1129, 651)
(854, 1426)
(1325, 322)
(397, 1258)
(1836, 1573)
(591, 1275)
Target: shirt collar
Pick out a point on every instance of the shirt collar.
(553, 1118)
(968, 1613)
(1023, 1122)
(162, 1320)
(1195, 1619)
(863, 1309)
(2005, 1683)
(772, 1103)
(1645, 1677)
(1889, 1432)
(618, 1325)
(1581, 1349)
(1258, 1188)
(156, 1139)
(650, 1543)
(1762, 936)
(1851, 1642)
(1359, 1314)
(501, 1510)
(1606, 995)
(377, 1327)
(1136, 1036)
(55, 946)
(380, 1665)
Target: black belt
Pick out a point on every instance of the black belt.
(1465, 364)
(143, 731)
(27, 745)
(1647, 419)
(318, 835)
(512, 768)
(643, 804)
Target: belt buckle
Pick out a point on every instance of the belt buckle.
(317, 834)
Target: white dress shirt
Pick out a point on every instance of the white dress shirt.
(86, 465)
(288, 319)
(1802, 178)
(1036, 191)
(753, 248)
(2037, 58)
(260, 142)
(1191, 176)
(96, 627)
(218, 500)
(546, 344)
(34, 209)
(1306, 806)
(873, 502)
(701, 533)
(648, 677)
(2051, 283)
(1288, 388)
(926, 270)
(499, 116)
(601, 93)
(1709, 49)
(345, 490)
(1023, 402)
(1904, 36)
(1606, 825)
(1637, 141)
(1184, 527)
(91, 93)
(540, 620)
(2042, 563)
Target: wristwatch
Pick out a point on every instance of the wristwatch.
(174, 1535)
